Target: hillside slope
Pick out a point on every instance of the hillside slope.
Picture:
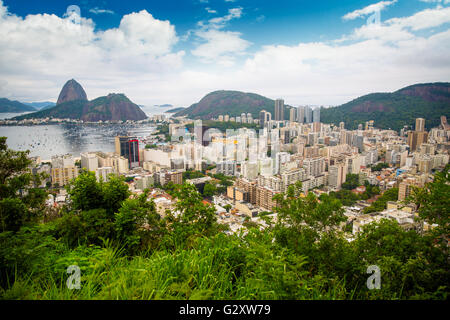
(7, 105)
(232, 103)
(74, 105)
(394, 110)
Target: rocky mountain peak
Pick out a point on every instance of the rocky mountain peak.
(71, 91)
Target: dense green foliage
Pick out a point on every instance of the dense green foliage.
(349, 198)
(86, 193)
(381, 203)
(351, 181)
(209, 190)
(192, 174)
(127, 250)
(379, 167)
(393, 110)
(163, 129)
(224, 182)
(20, 201)
(433, 202)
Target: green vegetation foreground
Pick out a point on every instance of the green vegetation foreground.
(126, 250)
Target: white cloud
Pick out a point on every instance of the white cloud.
(425, 19)
(40, 52)
(46, 50)
(140, 33)
(97, 10)
(370, 60)
(368, 10)
(398, 29)
(220, 22)
(218, 46)
(437, 1)
(209, 10)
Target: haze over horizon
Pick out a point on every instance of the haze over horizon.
(307, 53)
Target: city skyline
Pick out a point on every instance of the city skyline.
(174, 57)
(228, 152)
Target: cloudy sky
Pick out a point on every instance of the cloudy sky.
(175, 51)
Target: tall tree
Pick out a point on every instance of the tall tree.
(85, 192)
(433, 203)
(137, 223)
(115, 191)
(303, 221)
(20, 200)
(191, 218)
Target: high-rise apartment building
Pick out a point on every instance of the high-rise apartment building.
(264, 198)
(166, 176)
(264, 117)
(89, 161)
(227, 168)
(420, 125)
(444, 123)
(425, 164)
(279, 110)
(314, 167)
(249, 170)
(419, 136)
(249, 118)
(316, 115)
(63, 170)
(103, 173)
(358, 141)
(317, 126)
(248, 187)
(337, 175)
(301, 114)
(308, 114)
(292, 115)
(128, 147)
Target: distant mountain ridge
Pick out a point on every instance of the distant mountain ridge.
(175, 110)
(232, 103)
(394, 110)
(388, 110)
(40, 105)
(11, 106)
(73, 104)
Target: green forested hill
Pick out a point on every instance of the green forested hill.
(175, 110)
(394, 110)
(7, 105)
(112, 107)
(70, 109)
(232, 103)
(73, 104)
